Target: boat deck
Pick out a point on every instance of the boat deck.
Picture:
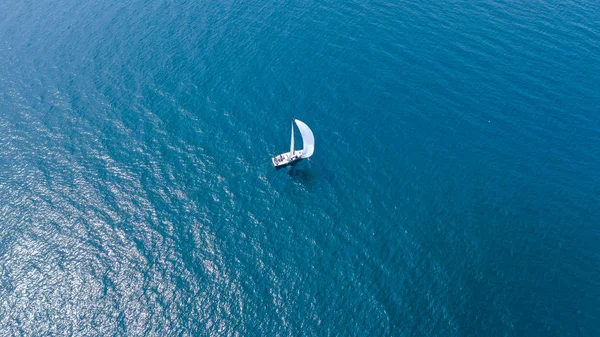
(286, 159)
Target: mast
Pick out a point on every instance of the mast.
(292, 143)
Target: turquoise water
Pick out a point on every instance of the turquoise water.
(454, 190)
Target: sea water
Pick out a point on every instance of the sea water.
(454, 189)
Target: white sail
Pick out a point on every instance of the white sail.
(292, 143)
(308, 139)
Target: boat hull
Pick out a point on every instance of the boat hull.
(286, 159)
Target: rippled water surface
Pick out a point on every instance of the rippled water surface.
(454, 190)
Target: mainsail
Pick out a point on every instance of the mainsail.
(308, 139)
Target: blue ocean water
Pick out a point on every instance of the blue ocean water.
(454, 190)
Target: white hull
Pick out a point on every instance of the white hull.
(286, 159)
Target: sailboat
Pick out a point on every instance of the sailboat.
(308, 142)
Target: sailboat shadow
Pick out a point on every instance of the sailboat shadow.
(303, 173)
